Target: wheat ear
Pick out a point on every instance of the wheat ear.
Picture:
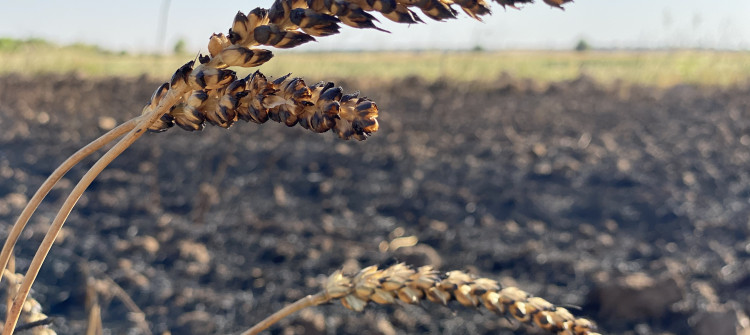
(400, 282)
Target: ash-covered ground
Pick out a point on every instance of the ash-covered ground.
(629, 202)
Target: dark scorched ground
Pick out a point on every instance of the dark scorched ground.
(630, 202)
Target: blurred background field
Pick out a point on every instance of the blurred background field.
(662, 68)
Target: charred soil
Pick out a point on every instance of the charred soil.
(630, 202)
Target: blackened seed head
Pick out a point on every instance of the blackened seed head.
(387, 6)
(273, 114)
(331, 110)
(162, 89)
(304, 123)
(236, 85)
(162, 124)
(241, 18)
(167, 118)
(263, 54)
(262, 34)
(290, 120)
(233, 36)
(347, 97)
(259, 12)
(159, 94)
(298, 38)
(543, 322)
(332, 94)
(517, 312)
(182, 73)
(257, 80)
(259, 115)
(296, 15)
(192, 126)
(200, 78)
(226, 74)
(225, 114)
(364, 105)
(281, 79)
(258, 74)
(202, 95)
(276, 12)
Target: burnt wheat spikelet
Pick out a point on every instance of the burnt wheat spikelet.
(318, 108)
(219, 98)
(289, 23)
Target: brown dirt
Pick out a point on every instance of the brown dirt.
(629, 202)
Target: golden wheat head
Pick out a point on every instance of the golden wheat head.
(400, 282)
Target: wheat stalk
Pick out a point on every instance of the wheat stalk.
(51, 181)
(400, 282)
(209, 92)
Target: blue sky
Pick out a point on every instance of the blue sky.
(134, 25)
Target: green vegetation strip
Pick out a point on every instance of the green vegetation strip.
(658, 68)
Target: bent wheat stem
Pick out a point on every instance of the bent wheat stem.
(163, 107)
(308, 301)
(52, 180)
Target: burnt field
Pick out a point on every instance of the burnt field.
(630, 202)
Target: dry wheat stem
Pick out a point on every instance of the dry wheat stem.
(169, 100)
(94, 321)
(120, 293)
(402, 283)
(61, 170)
(308, 301)
(11, 270)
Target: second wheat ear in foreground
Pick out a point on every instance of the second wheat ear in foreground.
(402, 283)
